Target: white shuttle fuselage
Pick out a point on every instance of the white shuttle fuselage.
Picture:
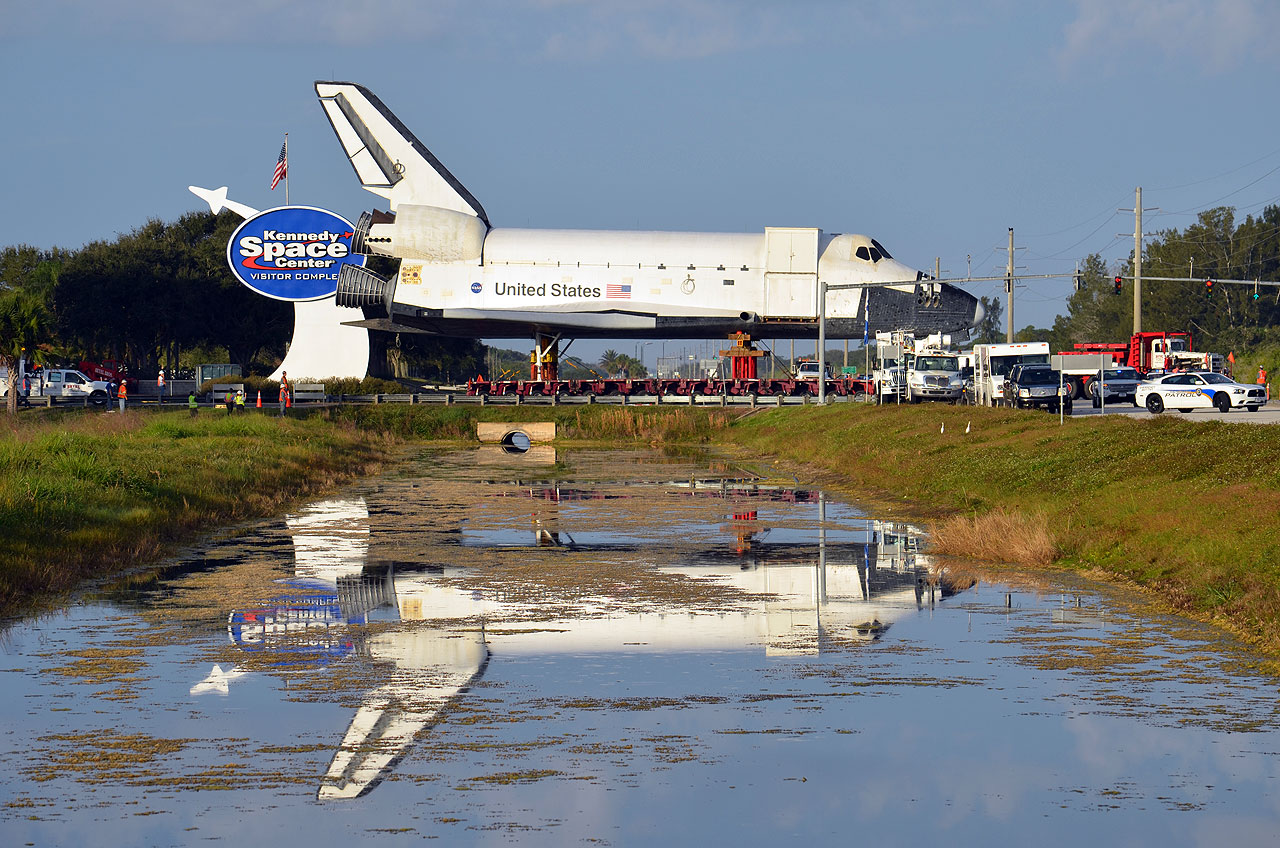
(458, 275)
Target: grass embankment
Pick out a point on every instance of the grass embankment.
(1186, 509)
(86, 494)
(665, 425)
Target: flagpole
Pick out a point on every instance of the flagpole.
(286, 169)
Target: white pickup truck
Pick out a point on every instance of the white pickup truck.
(63, 383)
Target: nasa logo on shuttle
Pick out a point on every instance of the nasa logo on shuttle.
(292, 252)
(476, 288)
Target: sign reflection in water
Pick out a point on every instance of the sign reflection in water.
(804, 593)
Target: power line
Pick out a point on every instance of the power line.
(1219, 176)
(1083, 240)
(1214, 203)
(1110, 207)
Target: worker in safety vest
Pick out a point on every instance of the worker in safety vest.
(1262, 380)
(123, 394)
(191, 403)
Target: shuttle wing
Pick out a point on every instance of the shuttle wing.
(387, 158)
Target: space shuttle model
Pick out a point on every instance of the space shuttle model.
(461, 276)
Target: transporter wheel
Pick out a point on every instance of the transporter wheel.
(1222, 401)
(1155, 405)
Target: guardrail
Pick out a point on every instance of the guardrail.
(461, 398)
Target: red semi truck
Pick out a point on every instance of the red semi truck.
(1145, 353)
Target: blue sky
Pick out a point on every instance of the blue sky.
(932, 126)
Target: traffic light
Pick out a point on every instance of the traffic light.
(1119, 284)
(1255, 291)
(1208, 289)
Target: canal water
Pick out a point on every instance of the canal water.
(619, 648)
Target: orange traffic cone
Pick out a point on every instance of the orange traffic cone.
(259, 398)
(288, 399)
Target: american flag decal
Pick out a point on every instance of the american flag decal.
(618, 291)
(282, 166)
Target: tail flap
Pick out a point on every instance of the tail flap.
(388, 159)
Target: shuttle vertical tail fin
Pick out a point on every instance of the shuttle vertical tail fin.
(387, 158)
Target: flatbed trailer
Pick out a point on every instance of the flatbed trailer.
(843, 386)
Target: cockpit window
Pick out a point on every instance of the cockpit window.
(863, 253)
(880, 247)
(875, 255)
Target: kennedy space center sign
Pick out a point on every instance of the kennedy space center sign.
(292, 253)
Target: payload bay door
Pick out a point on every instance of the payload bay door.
(791, 272)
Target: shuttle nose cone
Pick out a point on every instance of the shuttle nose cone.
(896, 272)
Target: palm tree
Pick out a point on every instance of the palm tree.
(23, 324)
(611, 362)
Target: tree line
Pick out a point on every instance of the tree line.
(1215, 247)
(163, 296)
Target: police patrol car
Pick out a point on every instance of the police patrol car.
(1198, 390)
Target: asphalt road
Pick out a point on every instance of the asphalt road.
(1269, 414)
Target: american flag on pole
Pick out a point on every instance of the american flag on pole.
(282, 166)
(618, 291)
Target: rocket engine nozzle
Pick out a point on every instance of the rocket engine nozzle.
(359, 287)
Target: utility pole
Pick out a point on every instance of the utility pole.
(1008, 288)
(1137, 256)
(1137, 261)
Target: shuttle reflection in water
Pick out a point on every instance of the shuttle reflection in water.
(794, 597)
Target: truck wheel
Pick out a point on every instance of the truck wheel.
(98, 398)
(1222, 401)
(1252, 407)
(1154, 404)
